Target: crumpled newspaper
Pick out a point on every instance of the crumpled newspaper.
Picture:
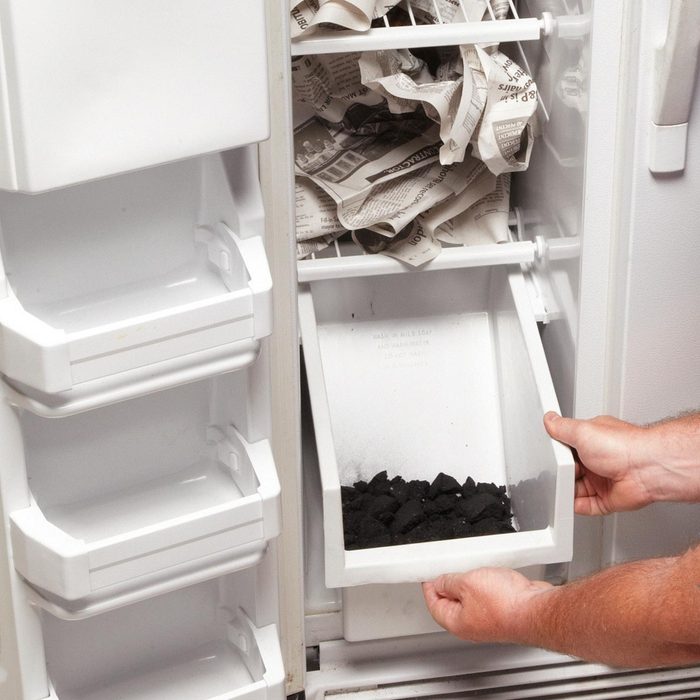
(410, 150)
(357, 15)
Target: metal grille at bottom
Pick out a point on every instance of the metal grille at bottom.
(441, 668)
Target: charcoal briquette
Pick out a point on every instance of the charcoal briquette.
(487, 487)
(442, 529)
(362, 502)
(423, 532)
(387, 511)
(370, 529)
(408, 516)
(469, 487)
(487, 526)
(399, 489)
(461, 528)
(418, 489)
(377, 479)
(347, 494)
(443, 483)
(472, 507)
(381, 505)
(444, 503)
(379, 484)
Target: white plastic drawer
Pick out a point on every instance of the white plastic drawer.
(146, 277)
(90, 90)
(142, 497)
(427, 372)
(194, 644)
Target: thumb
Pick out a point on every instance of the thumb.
(562, 429)
(448, 586)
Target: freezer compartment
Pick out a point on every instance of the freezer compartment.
(141, 497)
(431, 372)
(195, 644)
(139, 278)
(94, 90)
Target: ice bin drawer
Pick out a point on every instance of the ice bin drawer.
(427, 372)
(100, 88)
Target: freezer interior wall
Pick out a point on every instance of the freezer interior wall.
(550, 193)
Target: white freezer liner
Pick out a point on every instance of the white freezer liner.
(194, 644)
(428, 372)
(142, 496)
(93, 89)
(160, 271)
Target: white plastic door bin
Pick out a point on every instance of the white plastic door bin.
(100, 88)
(427, 372)
(141, 497)
(197, 643)
(133, 283)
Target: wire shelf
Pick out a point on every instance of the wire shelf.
(410, 33)
(346, 259)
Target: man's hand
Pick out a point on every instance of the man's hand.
(485, 605)
(612, 459)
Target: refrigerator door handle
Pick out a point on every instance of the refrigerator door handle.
(674, 78)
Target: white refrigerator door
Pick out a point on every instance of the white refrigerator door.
(657, 288)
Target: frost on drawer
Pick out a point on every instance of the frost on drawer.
(428, 372)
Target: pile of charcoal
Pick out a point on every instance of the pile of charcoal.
(385, 511)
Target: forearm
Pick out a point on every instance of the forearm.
(671, 448)
(633, 615)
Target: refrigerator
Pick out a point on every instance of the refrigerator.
(183, 399)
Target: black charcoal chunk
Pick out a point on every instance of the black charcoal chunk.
(444, 503)
(399, 489)
(408, 516)
(487, 526)
(443, 483)
(471, 508)
(347, 494)
(418, 489)
(377, 479)
(385, 511)
(461, 528)
(442, 529)
(362, 502)
(371, 532)
(423, 532)
(486, 487)
(469, 487)
(381, 505)
(379, 484)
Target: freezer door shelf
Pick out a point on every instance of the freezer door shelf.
(215, 517)
(94, 90)
(428, 372)
(142, 278)
(245, 665)
(53, 360)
